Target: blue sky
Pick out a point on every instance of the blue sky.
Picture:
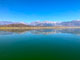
(34, 10)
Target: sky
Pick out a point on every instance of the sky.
(39, 10)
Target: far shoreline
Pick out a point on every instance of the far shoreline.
(38, 27)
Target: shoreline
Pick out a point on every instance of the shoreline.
(38, 27)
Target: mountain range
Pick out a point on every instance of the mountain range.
(52, 23)
(38, 23)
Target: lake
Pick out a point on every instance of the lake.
(46, 44)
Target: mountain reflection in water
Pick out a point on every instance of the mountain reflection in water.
(41, 31)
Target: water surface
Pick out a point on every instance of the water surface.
(50, 44)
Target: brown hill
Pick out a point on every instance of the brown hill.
(15, 25)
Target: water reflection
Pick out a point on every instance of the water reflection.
(13, 31)
(41, 31)
(45, 31)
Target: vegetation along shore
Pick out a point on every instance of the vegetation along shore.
(37, 27)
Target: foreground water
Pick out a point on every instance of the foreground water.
(51, 44)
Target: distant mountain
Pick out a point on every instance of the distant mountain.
(15, 25)
(9, 22)
(45, 23)
(38, 23)
(51, 23)
(71, 23)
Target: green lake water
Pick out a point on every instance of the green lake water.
(50, 44)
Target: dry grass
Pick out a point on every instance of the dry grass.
(36, 27)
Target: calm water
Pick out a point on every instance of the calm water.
(62, 44)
